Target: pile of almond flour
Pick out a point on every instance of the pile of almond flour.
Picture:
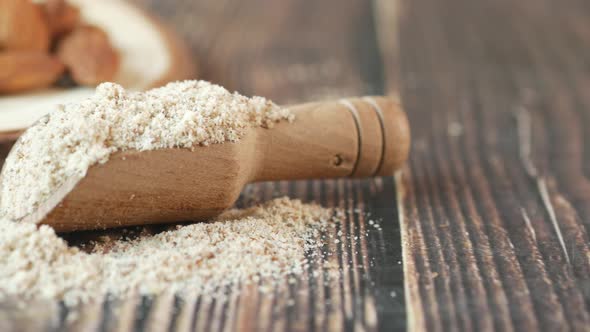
(267, 241)
(65, 143)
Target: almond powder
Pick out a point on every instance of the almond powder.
(66, 142)
(265, 242)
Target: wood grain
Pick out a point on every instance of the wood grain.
(291, 51)
(495, 198)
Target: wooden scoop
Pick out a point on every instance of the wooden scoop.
(349, 138)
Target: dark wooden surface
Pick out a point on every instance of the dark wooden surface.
(493, 205)
(497, 198)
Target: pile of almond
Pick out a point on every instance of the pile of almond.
(42, 43)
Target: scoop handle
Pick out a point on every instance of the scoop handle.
(353, 137)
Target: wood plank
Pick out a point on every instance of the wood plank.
(290, 51)
(495, 91)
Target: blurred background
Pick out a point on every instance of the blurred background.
(285, 50)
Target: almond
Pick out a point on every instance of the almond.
(23, 26)
(88, 55)
(25, 70)
(62, 17)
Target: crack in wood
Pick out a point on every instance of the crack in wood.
(415, 322)
(524, 129)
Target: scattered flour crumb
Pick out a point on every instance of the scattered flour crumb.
(455, 129)
(66, 142)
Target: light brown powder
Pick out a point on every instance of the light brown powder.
(267, 241)
(65, 143)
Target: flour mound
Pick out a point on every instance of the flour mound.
(266, 242)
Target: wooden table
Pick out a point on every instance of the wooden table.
(486, 229)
